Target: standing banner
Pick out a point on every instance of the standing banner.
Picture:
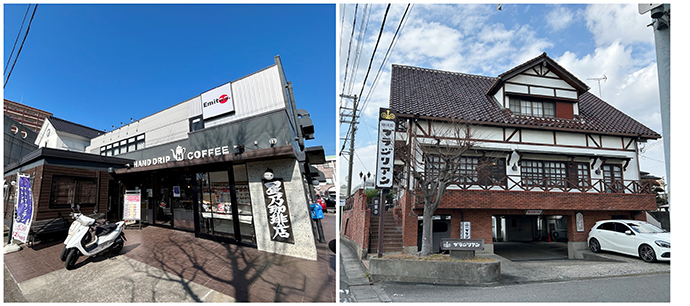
(24, 208)
(132, 206)
(385, 149)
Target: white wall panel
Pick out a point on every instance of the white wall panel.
(516, 88)
(255, 94)
(540, 81)
(566, 94)
(571, 139)
(537, 137)
(541, 91)
(611, 142)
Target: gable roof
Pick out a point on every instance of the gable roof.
(63, 125)
(429, 93)
(549, 63)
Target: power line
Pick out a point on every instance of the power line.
(383, 23)
(363, 28)
(349, 47)
(385, 57)
(21, 46)
(17, 39)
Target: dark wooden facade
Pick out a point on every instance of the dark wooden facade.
(44, 164)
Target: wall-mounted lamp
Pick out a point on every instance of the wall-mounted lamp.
(273, 141)
(268, 174)
(239, 149)
(514, 167)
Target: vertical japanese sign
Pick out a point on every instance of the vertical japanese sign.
(24, 207)
(385, 154)
(465, 230)
(132, 205)
(277, 210)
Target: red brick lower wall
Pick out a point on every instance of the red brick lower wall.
(477, 206)
(355, 222)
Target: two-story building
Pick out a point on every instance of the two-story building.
(229, 164)
(548, 158)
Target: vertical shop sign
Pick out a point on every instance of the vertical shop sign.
(579, 222)
(25, 209)
(132, 205)
(277, 211)
(465, 230)
(385, 154)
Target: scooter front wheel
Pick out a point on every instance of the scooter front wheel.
(72, 256)
(63, 254)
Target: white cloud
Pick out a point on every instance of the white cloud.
(559, 18)
(618, 22)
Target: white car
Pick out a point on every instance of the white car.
(631, 237)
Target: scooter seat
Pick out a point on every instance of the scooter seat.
(105, 229)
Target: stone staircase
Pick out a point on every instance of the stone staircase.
(392, 234)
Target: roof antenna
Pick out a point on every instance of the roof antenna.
(599, 83)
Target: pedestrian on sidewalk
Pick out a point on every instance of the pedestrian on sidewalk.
(317, 215)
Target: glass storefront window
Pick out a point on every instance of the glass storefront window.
(217, 215)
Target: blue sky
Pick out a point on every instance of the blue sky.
(590, 41)
(99, 65)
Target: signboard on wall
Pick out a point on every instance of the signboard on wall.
(385, 150)
(579, 222)
(277, 210)
(375, 206)
(132, 205)
(465, 230)
(217, 101)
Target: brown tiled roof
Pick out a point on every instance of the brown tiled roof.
(441, 94)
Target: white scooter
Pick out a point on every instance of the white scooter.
(81, 241)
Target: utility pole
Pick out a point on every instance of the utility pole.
(353, 129)
(661, 23)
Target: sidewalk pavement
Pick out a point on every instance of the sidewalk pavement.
(354, 282)
(164, 265)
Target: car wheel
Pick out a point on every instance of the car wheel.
(594, 245)
(72, 255)
(647, 253)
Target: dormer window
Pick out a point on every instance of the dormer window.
(522, 106)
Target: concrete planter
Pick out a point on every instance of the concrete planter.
(434, 272)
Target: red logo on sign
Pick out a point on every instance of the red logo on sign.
(223, 99)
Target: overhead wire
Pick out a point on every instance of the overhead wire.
(347, 61)
(401, 24)
(363, 28)
(349, 48)
(17, 39)
(21, 46)
(373, 54)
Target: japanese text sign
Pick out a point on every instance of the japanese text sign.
(25, 209)
(385, 150)
(277, 210)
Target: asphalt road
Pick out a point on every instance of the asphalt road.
(640, 288)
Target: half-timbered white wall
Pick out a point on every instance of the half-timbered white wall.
(534, 144)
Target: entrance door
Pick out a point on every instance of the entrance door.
(182, 204)
(216, 211)
(114, 212)
(224, 204)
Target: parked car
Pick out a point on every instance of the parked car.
(631, 237)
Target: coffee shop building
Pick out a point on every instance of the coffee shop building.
(229, 164)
